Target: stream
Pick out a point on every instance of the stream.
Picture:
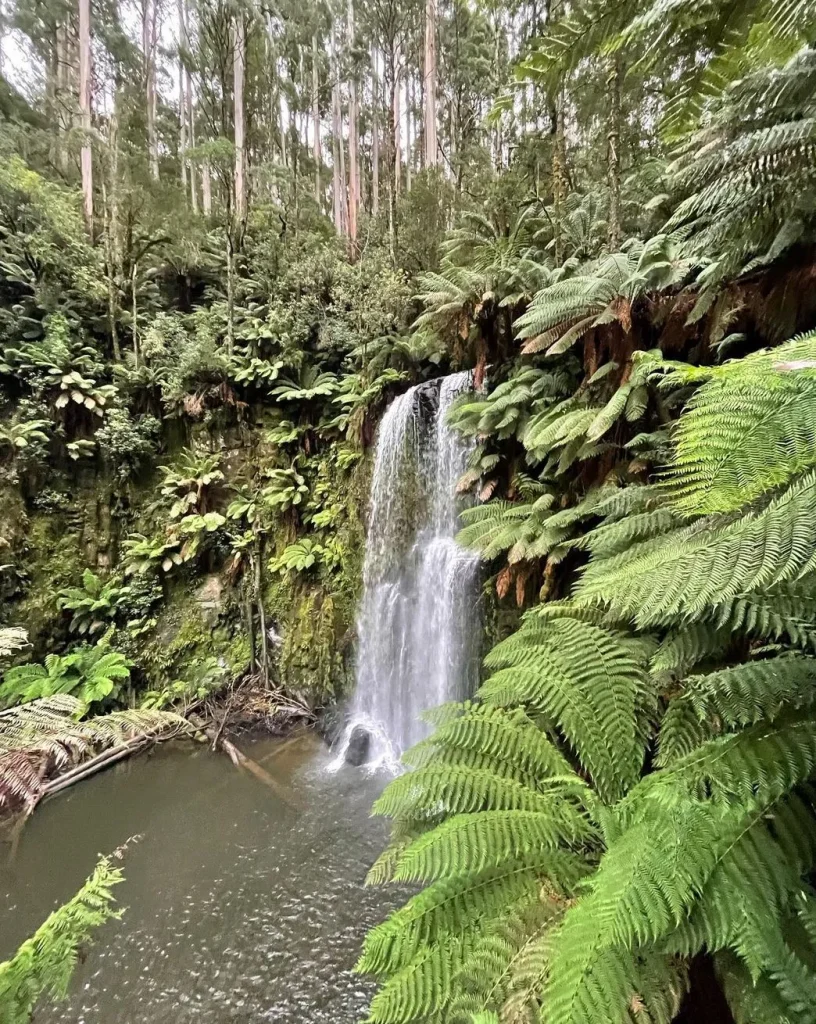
(240, 907)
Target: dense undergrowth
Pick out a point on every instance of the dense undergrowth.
(619, 827)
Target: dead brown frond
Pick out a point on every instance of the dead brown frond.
(41, 739)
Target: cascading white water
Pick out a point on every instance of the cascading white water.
(417, 626)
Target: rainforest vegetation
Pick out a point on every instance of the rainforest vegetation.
(230, 233)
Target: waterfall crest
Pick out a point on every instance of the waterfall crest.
(417, 625)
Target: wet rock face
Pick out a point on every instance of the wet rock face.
(358, 744)
(330, 724)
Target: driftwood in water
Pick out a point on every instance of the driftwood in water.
(240, 760)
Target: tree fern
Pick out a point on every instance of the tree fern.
(734, 697)
(697, 568)
(771, 395)
(12, 638)
(589, 680)
(563, 312)
(467, 843)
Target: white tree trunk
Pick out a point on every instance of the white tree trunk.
(409, 140)
(86, 157)
(354, 165)
(431, 144)
(206, 190)
(316, 118)
(238, 67)
(191, 135)
(182, 102)
(397, 126)
(338, 159)
(189, 117)
(375, 136)
(149, 40)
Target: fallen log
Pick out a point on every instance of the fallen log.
(111, 755)
(96, 764)
(241, 761)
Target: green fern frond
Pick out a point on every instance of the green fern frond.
(506, 737)
(470, 843)
(760, 763)
(696, 569)
(590, 680)
(686, 646)
(454, 789)
(738, 696)
(421, 990)
(450, 905)
(45, 963)
(769, 397)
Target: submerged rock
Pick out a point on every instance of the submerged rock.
(358, 744)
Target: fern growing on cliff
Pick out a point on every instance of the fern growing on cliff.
(632, 789)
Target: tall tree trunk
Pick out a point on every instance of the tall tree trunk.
(86, 157)
(613, 152)
(189, 116)
(230, 246)
(110, 274)
(338, 159)
(191, 136)
(559, 177)
(375, 136)
(497, 138)
(344, 192)
(149, 40)
(51, 92)
(392, 75)
(397, 127)
(354, 159)
(429, 85)
(113, 256)
(182, 101)
(238, 69)
(134, 312)
(409, 142)
(60, 94)
(316, 118)
(284, 158)
(206, 190)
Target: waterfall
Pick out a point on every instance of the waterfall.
(417, 625)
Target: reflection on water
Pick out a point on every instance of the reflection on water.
(240, 908)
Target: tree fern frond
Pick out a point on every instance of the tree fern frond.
(12, 638)
(759, 763)
(507, 737)
(589, 680)
(450, 905)
(739, 696)
(421, 990)
(751, 886)
(453, 789)
(694, 570)
(713, 469)
(470, 843)
(686, 646)
(41, 737)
